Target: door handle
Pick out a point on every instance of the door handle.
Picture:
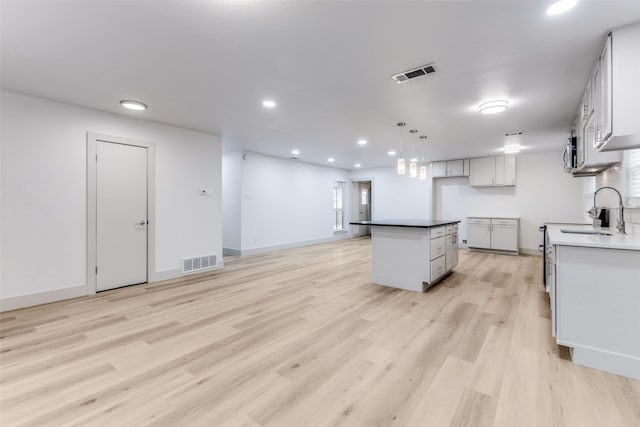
(143, 222)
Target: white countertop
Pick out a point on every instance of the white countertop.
(615, 241)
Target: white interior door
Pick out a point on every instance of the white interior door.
(121, 215)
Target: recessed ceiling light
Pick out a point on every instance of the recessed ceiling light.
(357, 165)
(268, 103)
(512, 149)
(561, 7)
(392, 153)
(362, 142)
(413, 160)
(331, 160)
(133, 105)
(493, 107)
(295, 152)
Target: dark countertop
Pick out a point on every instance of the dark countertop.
(415, 223)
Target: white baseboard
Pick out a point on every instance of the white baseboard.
(530, 252)
(29, 300)
(336, 236)
(22, 301)
(160, 276)
(619, 364)
(231, 252)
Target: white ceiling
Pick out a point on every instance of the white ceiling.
(208, 66)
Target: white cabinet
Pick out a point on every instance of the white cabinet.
(510, 169)
(594, 306)
(617, 124)
(504, 235)
(450, 168)
(604, 122)
(438, 169)
(482, 172)
(451, 255)
(437, 247)
(493, 171)
(588, 124)
(478, 232)
(498, 234)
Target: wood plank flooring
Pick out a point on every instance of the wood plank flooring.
(302, 338)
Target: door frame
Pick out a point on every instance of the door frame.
(355, 197)
(92, 229)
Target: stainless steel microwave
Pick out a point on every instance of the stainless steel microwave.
(569, 154)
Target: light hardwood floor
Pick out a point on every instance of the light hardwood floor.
(301, 338)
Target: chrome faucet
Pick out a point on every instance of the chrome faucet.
(620, 226)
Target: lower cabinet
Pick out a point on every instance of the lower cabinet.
(443, 250)
(438, 268)
(499, 234)
(594, 306)
(451, 246)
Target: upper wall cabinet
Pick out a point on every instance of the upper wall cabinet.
(450, 168)
(615, 102)
(493, 171)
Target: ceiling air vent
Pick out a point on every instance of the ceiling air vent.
(415, 73)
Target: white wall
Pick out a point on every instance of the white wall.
(544, 193)
(283, 203)
(394, 196)
(44, 193)
(614, 177)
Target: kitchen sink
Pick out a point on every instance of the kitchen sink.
(597, 232)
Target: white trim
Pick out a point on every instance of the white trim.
(231, 252)
(354, 202)
(92, 139)
(339, 236)
(29, 300)
(161, 276)
(534, 252)
(608, 361)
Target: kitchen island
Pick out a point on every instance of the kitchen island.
(594, 289)
(412, 254)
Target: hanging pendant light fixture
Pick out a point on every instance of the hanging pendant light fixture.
(413, 162)
(400, 163)
(423, 167)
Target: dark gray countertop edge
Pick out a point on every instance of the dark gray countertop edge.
(406, 223)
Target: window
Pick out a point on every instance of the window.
(338, 203)
(364, 196)
(632, 178)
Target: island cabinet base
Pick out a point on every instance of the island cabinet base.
(408, 258)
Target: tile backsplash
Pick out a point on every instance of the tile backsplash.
(613, 177)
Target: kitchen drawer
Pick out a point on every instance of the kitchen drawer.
(479, 221)
(438, 247)
(452, 228)
(437, 232)
(438, 268)
(501, 221)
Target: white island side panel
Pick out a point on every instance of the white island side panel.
(400, 257)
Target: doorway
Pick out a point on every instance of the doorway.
(119, 220)
(362, 211)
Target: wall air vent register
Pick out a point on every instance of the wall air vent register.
(192, 265)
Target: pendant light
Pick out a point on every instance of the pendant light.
(413, 163)
(400, 164)
(423, 167)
